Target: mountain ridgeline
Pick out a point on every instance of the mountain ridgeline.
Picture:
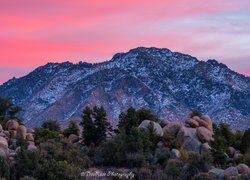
(169, 83)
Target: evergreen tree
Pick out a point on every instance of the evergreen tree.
(8, 110)
(145, 113)
(227, 133)
(152, 136)
(49, 130)
(73, 128)
(51, 125)
(245, 143)
(102, 126)
(128, 120)
(89, 131)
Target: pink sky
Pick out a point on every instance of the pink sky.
(34, 32)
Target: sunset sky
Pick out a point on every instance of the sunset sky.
(34, 32)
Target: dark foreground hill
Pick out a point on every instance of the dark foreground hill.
(170, 83)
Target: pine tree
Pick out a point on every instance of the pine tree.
(8, 110)
(51, 125)
(128, 120)
(73, 128)
(145, 113)
(89, 131)
(245, 143)
(102, 126)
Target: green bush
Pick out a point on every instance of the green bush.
(161, 155)
(56, 159)
(219, 157)
(26, 163)
(202, 176)
(184, 155)
(51, 125)
(50, 130)
(57, 170)
(173, 168)
(42, 135)
(117, 150)
(62, 151)
(4, 169)
(171, 141)
(144, 173)
(202, 162)
(135, 160)
(197, 163)
(247, 157)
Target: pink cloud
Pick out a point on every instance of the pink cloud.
(35, 32)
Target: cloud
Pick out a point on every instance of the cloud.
(35, 32)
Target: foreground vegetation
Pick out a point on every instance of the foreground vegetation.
(62, 154)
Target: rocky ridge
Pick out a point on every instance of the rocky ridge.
(170, 83)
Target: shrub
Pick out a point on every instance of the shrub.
(173, 168)
(56, 170)
(73, 128)
(26, 163)
(201, 161)
(202, 176)
(50, 130)
(161, 154)
(144, 173)
(135, 160)
(184, 155)
(120, 147)
(219, 157)
(4, 169)
(197, 163)
(188, 172)
(51, 125)
(42, 135)
(247, 157)
(62, 151)
(55, 160)
(171, 141)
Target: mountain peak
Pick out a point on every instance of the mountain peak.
(162, 54)
(169, 83)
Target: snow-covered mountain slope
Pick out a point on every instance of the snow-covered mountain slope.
(170, 83)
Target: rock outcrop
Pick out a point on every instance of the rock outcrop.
(231, 172)
(3, 143)
(21, 132)
(243, 169)
(198, 129)
(171, 129)
(204, 134)
(12, 125)
(194, 136)
(9, 137)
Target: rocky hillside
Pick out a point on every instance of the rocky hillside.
(169, 83)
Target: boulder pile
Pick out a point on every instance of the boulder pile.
(194, 135)
(10, 135)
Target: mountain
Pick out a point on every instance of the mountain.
(170, 83)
